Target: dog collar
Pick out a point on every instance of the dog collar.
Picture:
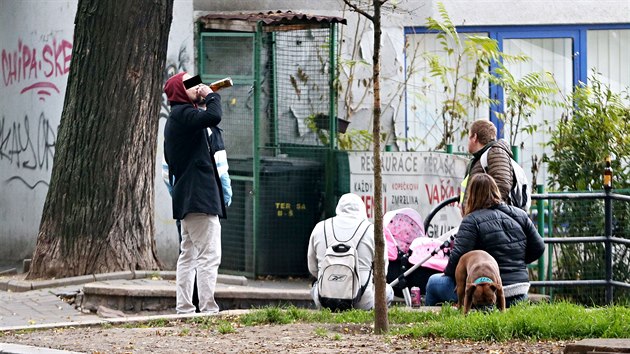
(483, 280)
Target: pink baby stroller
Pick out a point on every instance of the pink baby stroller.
(413, 257)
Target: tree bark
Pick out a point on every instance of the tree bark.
(98, 214)
(380, 306)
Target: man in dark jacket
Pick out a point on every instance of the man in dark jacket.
(483, 135)
(197, 196)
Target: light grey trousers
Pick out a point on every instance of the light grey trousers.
(201, 255)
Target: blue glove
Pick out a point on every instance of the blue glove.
(227, 189)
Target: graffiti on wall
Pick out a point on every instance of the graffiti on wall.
(22, 64)
(27, 144)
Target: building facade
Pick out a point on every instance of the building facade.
(568, 39)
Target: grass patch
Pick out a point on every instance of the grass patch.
(204, 322)
(155, 323)
(321, 332)
(291, 314)
(559, 321)
(225, 327)
(159, 322)
(269, 315)
(277, 315)
(544, 321)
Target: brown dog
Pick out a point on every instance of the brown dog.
(477, 277)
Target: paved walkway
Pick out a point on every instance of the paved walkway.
(44, 307)
(37, 307)
(28, 349)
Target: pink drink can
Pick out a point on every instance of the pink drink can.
(416, 300)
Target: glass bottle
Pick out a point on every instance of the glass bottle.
(217, 85)
(608, 173)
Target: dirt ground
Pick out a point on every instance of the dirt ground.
(292, 338)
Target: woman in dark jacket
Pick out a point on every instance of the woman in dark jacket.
(504, 231)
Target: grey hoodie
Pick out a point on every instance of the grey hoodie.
(350, 213)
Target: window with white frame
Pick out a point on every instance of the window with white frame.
(607, 53)
(569, 52)
(426, 93)
(550, 55)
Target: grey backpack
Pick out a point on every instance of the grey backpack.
(338, 284)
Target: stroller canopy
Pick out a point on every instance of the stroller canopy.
(400, 228)
(404, 234)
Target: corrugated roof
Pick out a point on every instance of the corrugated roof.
(271, 18)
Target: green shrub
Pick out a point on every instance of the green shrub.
(596, 124)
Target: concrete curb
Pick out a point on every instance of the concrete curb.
(120, 320)
(18, 286)
(262, 294)
(29, 349)
(161, 290)
(598, 345)
(154, 290)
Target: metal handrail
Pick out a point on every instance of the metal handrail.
(608, 196)
(607, 239)
(437, 208)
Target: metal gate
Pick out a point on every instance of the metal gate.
(283, 68)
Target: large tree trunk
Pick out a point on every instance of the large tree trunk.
(98, 215)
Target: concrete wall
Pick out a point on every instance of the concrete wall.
(180, 57)
(36, 46)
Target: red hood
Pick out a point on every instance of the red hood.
(174, 89)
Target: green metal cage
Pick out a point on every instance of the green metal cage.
(282, 163)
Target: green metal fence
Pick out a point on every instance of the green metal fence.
(588, 246)
(282, 170)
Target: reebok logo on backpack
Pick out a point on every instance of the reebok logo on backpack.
(520, 195)
(339, 285)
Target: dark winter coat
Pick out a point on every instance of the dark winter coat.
(192, 169)
(506, 233)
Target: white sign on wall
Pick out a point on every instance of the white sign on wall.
(418, 180)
